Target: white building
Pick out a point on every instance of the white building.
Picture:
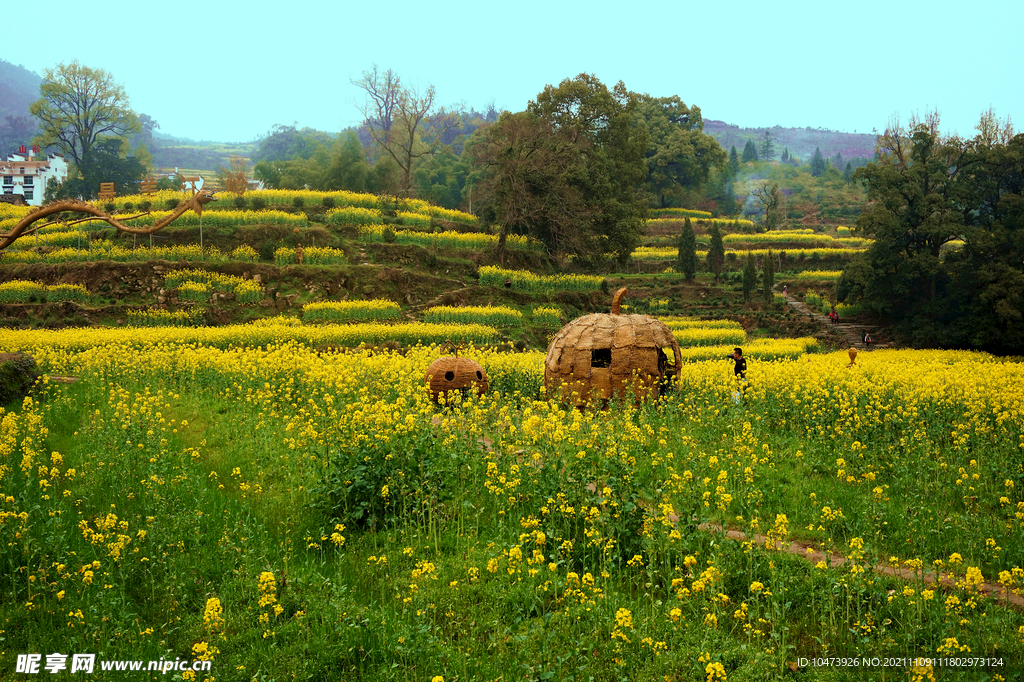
(28, 178)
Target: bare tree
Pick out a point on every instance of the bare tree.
(397, 118)
(770, 199)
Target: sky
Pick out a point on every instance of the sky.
(228, 70)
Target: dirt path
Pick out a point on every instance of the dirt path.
(851, 332)
(945, 581)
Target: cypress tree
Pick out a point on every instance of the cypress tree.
(687, 258)
(769, 277)
(749, 278)
(716, 252)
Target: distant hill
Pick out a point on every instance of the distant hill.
(19, 87)
(800, 141)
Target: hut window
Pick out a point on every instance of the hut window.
(479, 375)
(449, 375)
(601, 357)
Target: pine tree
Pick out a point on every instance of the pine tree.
(768, 147)
(749, 152)
(817, 163)
(749, 278)
(734, 163)
(785, 155)
(769, 277)
(687, 258)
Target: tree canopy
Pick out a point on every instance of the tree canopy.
(926, 192)
(679, 155)
(80, 107)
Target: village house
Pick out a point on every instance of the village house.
(22, 176)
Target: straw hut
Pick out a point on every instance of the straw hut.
(600, 356)
(450, 374)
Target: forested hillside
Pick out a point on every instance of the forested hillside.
(801, 142)
(19, 87)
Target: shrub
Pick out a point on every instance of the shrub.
(109, 207)
(145, 205)
(258, 203)
(388, 235)
(298, 202)
(172, 203)
(328, 202)
(239, 201)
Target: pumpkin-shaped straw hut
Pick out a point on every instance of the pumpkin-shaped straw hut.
(448, 375)
(600, 356)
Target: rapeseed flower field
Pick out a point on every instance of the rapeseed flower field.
(279, 508)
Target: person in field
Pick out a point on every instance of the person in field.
(739, 372)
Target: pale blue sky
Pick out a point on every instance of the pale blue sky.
(229, 70)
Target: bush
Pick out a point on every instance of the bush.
(328, 202)
(109, 207)
(298, 202)
(172, 203)
(145, 205)
(258, 203)
(239, 201)
(128, 206)
(388, 235)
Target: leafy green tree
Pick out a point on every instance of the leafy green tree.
(734, 163)
(749, 277)
(749, 152)
(848, 173)
(106, 160)
(679, 155)
(530, 183)
(926, 190)
(767, 147)
(716, 252)
(287, 143)
(612, 149)
(79, 108)
(686, 260)
(768, 277)
(817, 163)
(348, 169)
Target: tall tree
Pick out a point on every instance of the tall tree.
(768, 276)
(817, 163)
(716, 252)
(749, 152)
(770, 199)
(396, 117)
(348, 169)
(687, 256)
(81, 107)
(767, 147)
(679, 155)
(602, 124)
(531, 173)
(926, 190)
(734, 163)
(749, 277)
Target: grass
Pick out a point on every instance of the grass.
(347, 526)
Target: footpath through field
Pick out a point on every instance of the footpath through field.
(851, 332)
